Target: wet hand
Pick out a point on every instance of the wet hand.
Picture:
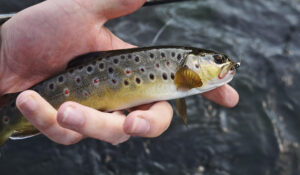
(41, 40)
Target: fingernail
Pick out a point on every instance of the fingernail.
(27, 104)
(72, 118)
(139, 126)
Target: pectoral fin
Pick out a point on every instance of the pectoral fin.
(181, 109)
(186, 78)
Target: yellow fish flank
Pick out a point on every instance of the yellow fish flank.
(119, 79)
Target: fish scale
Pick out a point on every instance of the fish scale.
(120, 79)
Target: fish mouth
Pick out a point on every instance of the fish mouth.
(224, 70)
(228, 68)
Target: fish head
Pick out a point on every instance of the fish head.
(214, 69)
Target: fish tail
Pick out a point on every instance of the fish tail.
(12, 124)
(24, 131)
(4, 136)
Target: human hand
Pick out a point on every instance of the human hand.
(39, 42)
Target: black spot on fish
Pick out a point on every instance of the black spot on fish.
(172, 76)
(60, 79)
(116, 61)
(165, 76)
(71, 71)
(114, 81)
(137, 59)
(197, 66)
(89, 69)
(151, 55)
(173, 54)
(138, 80)
(110, 70)
(163, 54)
(179, 57)
(129, 56)
(122, 57)
(101, 66)
(94, 63)
(51, 86)
(151, 76)
(80, 67)
(126, 83)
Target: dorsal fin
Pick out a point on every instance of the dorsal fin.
(87, 58)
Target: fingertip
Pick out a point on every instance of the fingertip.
(22, 97)
(224, 95)
(151, 122)
(28, 102)
(234, 97)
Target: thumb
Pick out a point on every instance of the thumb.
(115, 8)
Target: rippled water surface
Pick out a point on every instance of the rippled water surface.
(260, 136)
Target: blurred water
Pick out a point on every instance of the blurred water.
(260, 136)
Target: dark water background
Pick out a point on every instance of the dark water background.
(258, 137)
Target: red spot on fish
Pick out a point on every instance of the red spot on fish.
(142, 69)
(86, 94)
(67, 92)
(5, 119)
(114, 81)
(127, 71)
(96, 81)
(157, 65)
(168, 63)
(78, 80)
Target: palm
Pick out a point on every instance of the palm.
(43, 41)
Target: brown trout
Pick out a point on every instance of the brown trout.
(120, 79)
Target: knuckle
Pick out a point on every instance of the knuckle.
(44, 123)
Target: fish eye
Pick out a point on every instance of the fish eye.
(219, 59)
